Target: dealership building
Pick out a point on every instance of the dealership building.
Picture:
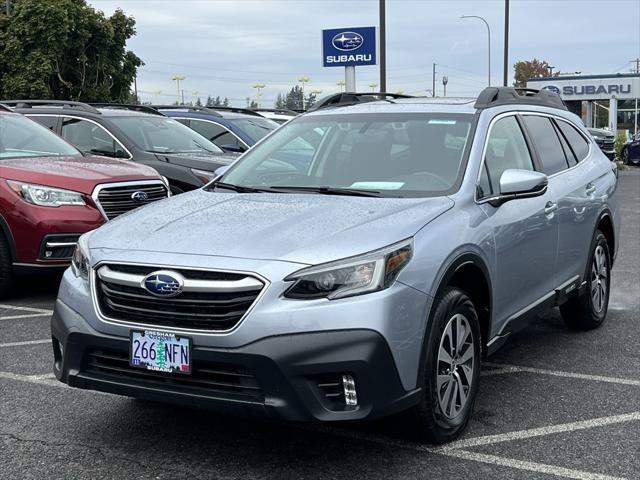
(603, 101)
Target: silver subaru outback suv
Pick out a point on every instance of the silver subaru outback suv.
(359, 261)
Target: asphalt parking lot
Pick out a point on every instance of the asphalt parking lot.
(552, 404)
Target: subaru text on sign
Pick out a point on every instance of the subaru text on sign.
(349, 47)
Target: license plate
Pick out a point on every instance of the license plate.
(160, 351)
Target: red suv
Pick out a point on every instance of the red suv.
(50, 193)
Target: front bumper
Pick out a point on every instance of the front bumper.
(285, 376)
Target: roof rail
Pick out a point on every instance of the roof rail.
(496, 96)
(188, 108)
(351, 98)
(126, 106)
(5, 108)
(246, 111)
(50, 103)
(283, 111)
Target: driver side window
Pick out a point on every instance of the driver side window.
(506, 148)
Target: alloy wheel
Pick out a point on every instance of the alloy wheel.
(599, 279)
(456, 357)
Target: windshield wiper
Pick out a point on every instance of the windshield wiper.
(236, 188)
(355, 192)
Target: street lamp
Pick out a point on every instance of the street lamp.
(373, 86)
(178, 79)
(488, 42)
(303, 80)
(341, 84)
(258, 87)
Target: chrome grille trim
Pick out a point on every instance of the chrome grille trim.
(94, 285)
(114, 199)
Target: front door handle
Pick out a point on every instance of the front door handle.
(550, 207)
(591, 189)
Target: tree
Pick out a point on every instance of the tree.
(225, 102)
(209, 102)
(65, 49)
(198, 102)
(281, 101)
(524, 70)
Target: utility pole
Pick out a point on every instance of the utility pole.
(303, 80)
(506, 43)
(178, 79)
(383, 47)
(135, 87)
(445, 80)
(637, 62)
(258, 87)
(433, 82)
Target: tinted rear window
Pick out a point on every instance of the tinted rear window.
(576, 141)
(546, 142)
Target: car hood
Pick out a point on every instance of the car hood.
(600, 133)
(77, 173)
(203, 161)
(301, 228)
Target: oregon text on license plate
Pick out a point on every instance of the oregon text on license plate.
(160, 351)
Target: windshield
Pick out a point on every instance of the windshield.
(163, 135)
(396, 154)
(256, 128)
(21, 137)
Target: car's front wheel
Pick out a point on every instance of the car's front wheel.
(6, 269)
(588, 310)
(451, 370)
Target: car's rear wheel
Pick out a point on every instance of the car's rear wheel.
(6, 269)
(589, 310)
(451, 370)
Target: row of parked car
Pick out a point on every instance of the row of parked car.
(108, 159)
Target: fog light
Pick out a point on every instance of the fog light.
(48, 253)
(349, 386)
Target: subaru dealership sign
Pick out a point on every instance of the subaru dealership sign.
(349, 47)
(590, 87)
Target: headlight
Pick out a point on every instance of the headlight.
(46, 196)
(80, 259)
(204, 176)
(351, 276)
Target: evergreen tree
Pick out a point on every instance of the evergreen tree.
(209, 101)
(198, 102)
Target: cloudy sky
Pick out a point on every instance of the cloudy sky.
(223, 47)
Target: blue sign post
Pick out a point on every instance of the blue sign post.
(349, 47)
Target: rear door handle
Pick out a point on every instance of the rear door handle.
(591, 189)
(550, 207)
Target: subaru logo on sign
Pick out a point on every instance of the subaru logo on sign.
(552, 88)
(163, 283)
(347, 41)
(139, 196)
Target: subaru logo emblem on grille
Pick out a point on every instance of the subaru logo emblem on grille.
(139, 196)
(347, 41)
(163, 283)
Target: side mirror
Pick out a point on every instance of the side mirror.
(232, 147)
(515, 183)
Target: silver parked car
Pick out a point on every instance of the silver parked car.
(358, 262)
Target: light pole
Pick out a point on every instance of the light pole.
(488, 42)
(505, 65)
(303, 80)
(341, 84)
(383, 45)
(445, 80)
(258, 87)
(178, 79)
(373, 86)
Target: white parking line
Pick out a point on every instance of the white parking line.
(26, 309)
(529, 466)
(26, 315)
(542, 431)
(503, 369)
(28, 342)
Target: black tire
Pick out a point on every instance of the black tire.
(589, 310)
(625, 156)
(435, 423)
(6, 269)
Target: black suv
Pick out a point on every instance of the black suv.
(605, 140)
(135, 132)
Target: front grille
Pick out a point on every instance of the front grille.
(606, 144)
(207, 378)
(118, 199)
(217, 304)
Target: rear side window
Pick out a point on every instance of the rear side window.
(45, 120)
(546, 143)
(215, 133)
(91, 138)
(576, 141)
